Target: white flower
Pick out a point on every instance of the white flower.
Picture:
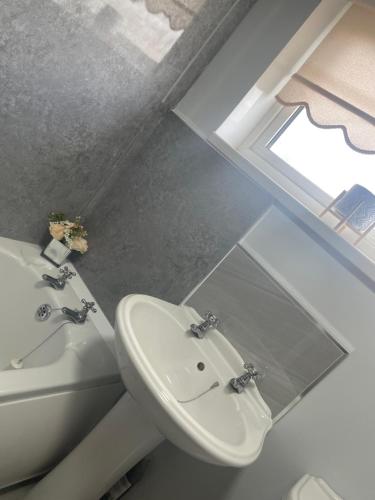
(56, 230)
(79, 244)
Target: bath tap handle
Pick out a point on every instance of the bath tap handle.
(88, 306)
(66, 273)
(79, 316)
(59, 282)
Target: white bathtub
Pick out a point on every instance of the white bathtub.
(66, 385)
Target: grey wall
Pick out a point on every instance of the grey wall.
(256, 42)
(170, 215)
(78, 98)
(80, 106)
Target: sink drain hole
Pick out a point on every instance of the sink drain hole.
(201, 366)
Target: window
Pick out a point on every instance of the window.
(322, 156)
(314, 155)
(317, 159)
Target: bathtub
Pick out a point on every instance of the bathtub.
(65, 386)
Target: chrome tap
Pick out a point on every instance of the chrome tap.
(211, 321)
(79, 316)
(239, 383)
(59, 282)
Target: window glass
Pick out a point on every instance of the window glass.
(323, 157)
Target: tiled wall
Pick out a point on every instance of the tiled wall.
(267, 327)
(84, 86)
(169, 218)
(79, 93)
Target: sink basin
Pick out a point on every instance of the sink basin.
(177, 389)
(181, 382)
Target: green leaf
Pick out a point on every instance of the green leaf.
(56, 216)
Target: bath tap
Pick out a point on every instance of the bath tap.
(211, 321)
(79, 316)
(59, 282)
(239, 383)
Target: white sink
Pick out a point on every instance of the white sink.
(181, 382)
(177, 389)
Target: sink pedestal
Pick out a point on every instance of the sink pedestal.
(118, 442)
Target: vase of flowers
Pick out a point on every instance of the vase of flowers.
(67, 236)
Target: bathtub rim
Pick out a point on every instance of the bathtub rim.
(60, 375)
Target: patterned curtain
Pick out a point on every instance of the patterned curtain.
(179, 12)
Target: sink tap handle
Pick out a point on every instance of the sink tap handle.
(253, 371)
(211, 321)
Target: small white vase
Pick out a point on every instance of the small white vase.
(56, 252)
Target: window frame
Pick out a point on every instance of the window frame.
(260, 139)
